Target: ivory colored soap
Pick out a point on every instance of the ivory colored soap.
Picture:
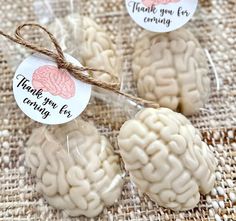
(75, 168)
(84, 39)
(171, 69)
(166, 158)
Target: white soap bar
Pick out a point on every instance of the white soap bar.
(171, 69)
(88, 42)
(76, 168)
(166, 158)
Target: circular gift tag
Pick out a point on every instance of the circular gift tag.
(47, 94)
(161, 15)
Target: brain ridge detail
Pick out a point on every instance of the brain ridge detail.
(82, 181)
(176, 162)
(95, 49)
(179, 53)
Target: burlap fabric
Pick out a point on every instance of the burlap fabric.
(215, 27)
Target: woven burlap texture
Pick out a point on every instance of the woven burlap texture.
(214, 25)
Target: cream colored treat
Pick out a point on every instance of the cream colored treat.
(88, 42)
(166, 158)
(171, 69)
(75, 167)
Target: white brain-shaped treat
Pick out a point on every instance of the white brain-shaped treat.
(171, 69)
(75, 167)
(166, 158)
(87, 41)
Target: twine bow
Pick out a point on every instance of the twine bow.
(76, 71)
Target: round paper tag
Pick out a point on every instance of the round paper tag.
(161, 15)
(47, 94)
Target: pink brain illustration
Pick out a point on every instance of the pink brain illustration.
(149, 3)
(55, 81)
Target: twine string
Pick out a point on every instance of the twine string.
(76, 71)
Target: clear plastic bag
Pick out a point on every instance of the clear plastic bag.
(75, 164)
(173, 69)
(81, 37)
(76, 168)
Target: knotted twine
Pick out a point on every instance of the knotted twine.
(75, 71)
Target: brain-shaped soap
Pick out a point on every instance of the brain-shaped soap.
(166, 158)
(171, 69)
(57, 82)
(75, 167)
(88, 42)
